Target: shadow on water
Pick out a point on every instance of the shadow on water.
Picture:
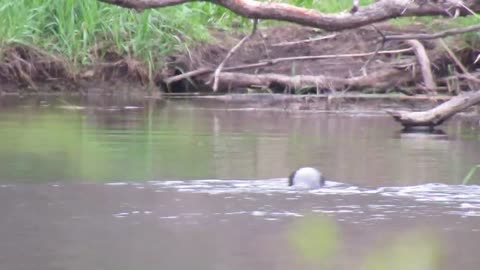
(423, 133)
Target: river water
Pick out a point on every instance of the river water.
(179, 184)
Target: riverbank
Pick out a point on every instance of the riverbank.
(89, 47)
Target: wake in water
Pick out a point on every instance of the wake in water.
(469, 196)
(453, 199)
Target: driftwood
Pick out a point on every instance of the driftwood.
(383, 79)
(437, 115)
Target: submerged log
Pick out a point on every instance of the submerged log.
(437, 115)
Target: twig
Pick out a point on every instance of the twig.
(382, 44)
(469, 77)
(202, 71)
(329, 56)
(231, 52)
(449, 32)
(304, 41)
(186, 75)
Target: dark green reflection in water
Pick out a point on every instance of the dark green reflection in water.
(317, 242)
(315, 239)
(176, 140)
(63, 145)
(413, 250)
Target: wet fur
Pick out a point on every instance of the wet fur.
(290, 178)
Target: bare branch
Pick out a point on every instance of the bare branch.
(377, 50)
(141, 5)
(379, 11)
(231, 52)
(330, 56)
(304, 41)
(202, 71)
(457, 61)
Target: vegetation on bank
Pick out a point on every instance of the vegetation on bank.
(82, 30)
(86, 32)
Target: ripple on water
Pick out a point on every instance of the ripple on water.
(459, 200)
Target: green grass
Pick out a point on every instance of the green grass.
(328, 6)
(75, 28)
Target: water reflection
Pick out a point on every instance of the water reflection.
(145, 140)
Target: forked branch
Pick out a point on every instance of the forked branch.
(378, 11)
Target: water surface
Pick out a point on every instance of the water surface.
(178, 184)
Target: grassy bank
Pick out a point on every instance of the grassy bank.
(79, 30)
(86, 32)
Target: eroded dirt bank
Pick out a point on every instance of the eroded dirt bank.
(303, 60)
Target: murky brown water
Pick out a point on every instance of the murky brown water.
(175, 186)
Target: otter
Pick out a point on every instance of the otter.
(306, 177)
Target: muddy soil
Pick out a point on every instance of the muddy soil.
(291, 41)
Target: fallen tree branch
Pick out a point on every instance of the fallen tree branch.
(437, 115)
(424, 63)
(378, 11)
(202, 71)
(231, 52)
(454, 58)
(457, 61)
(380, 80)
(268, 62)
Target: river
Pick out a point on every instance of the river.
(179, 184)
